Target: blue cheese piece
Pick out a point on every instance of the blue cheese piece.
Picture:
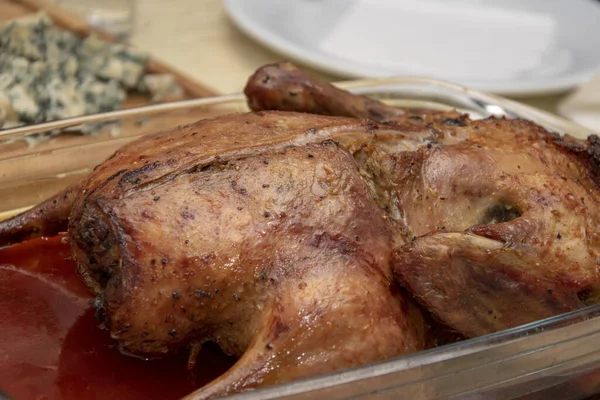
(24, 37)
(15, 88)
(47, 73)
(22, 101)
(8, 116)
(112, 61)
(161, 87)
(62, 99)
(61, 45)
(101, 96)
(37, 39)
(14, 70)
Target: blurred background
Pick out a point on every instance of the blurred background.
(542, 53)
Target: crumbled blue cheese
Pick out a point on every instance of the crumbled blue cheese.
(23, 102)
(47, 73)
(161, 87)
(112, 61)
(8, 116)
(25, 37)
(101, 96)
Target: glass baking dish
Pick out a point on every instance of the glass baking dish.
(558, 358)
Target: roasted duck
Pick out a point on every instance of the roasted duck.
(280, 235)
(500, 217)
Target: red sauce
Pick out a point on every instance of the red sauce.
(51, 346)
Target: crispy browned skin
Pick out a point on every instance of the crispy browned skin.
(504, 227)
(501, 214)
(284, 87)
(47, 218)
(279, 254)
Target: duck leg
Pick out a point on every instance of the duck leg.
(363, 319)
(47, 218)
(284, 87)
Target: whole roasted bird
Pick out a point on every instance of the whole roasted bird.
(277, 234)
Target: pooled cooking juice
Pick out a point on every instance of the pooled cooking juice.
(52, 348)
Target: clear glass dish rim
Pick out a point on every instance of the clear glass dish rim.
(411, 89)
(415, 88)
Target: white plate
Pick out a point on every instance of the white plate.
(514, 47)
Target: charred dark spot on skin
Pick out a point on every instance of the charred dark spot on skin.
(163, 261)
(588, 296)
(269, 346)
(266, 214)
(133, 177)
(202, 293)
(122, 326)
(194, 133)
(156, 198)
(176, 294)
(172, 332)
(266, 79)
(235, 297)
(455, 122)
(110, 178)
(324, 240)
(416, 118)
(370, 127)
(500, 213)
(238, 189)
(187, 214)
